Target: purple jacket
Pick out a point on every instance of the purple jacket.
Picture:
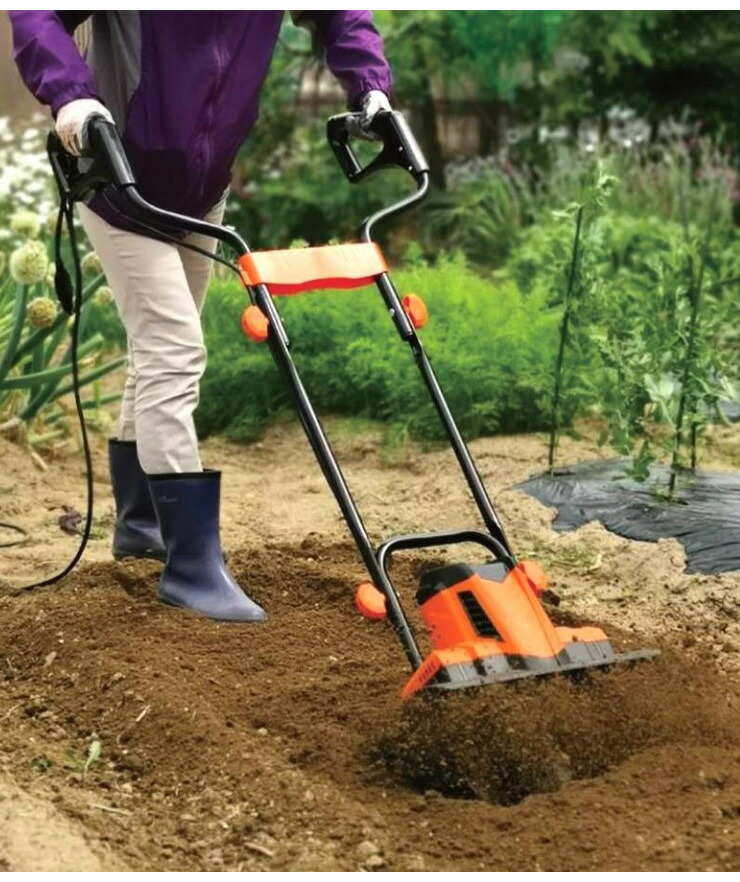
(183, 87)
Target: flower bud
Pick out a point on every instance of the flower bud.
(91, 265)
(26, 224)
(104, 295)
(29, 263)
(41, 312)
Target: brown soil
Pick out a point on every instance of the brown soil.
(284, 746)
(36, 836)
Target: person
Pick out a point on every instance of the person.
(183, 90)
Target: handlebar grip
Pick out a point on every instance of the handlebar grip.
(400, 147)
(396, 134)
(338, 134)
(104, 143)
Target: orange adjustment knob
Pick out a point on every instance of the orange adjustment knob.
(416, 310)
(370, 602)
(536, 575)
(255, 324)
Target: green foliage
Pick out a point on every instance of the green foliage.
(649, 300)
(580, 293)
(35, 359)
(492, 348)
(495, 51)
(663, 64)
(662, 338)
(481, 215)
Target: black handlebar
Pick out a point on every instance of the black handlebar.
(104, 142)
(104, 163)
(400, 147)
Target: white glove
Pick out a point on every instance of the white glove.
(371, 103)
(72, 120)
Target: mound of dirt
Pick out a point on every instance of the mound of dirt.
(284, 746)
(501, 745)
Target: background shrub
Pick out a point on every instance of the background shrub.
(492, 347)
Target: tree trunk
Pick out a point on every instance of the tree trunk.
(490, 127)
(430, 140)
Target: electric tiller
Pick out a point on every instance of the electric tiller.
(486, 623)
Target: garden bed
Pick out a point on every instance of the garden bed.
(285, 746)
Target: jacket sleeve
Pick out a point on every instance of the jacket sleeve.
(48, 59)
(353, 49)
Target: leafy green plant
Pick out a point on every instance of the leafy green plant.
(481, 214)
(666, 355)
(493, 349)
(78, 762)
(35, 352)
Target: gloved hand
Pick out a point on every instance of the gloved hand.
(371, 103)
(72, 120)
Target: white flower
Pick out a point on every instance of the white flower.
(26, 224)
(29, 263)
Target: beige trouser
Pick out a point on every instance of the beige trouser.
(159, 289)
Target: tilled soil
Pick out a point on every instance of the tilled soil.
(284, 745)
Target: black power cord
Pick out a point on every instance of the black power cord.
(23, 535)
(74, 183)
(71, 300)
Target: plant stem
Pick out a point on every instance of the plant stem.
(19, 310)
(564, 326)
(35, 406)
(62, 319)
(696, 286)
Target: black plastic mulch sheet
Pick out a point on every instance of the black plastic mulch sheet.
(705, 520)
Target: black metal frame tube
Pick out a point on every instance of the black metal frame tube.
(182, 222)
(436, 540)
(332, 472)
(279, 343)
(408, 333)
(459, 447)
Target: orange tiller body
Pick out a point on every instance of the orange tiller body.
(478, 619)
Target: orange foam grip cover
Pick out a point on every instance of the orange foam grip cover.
(295, 270)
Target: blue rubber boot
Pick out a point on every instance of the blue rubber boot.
(195, 575)
(137, 532)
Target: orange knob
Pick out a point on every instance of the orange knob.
(370, 602)
(416, 310)
(255, 324)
